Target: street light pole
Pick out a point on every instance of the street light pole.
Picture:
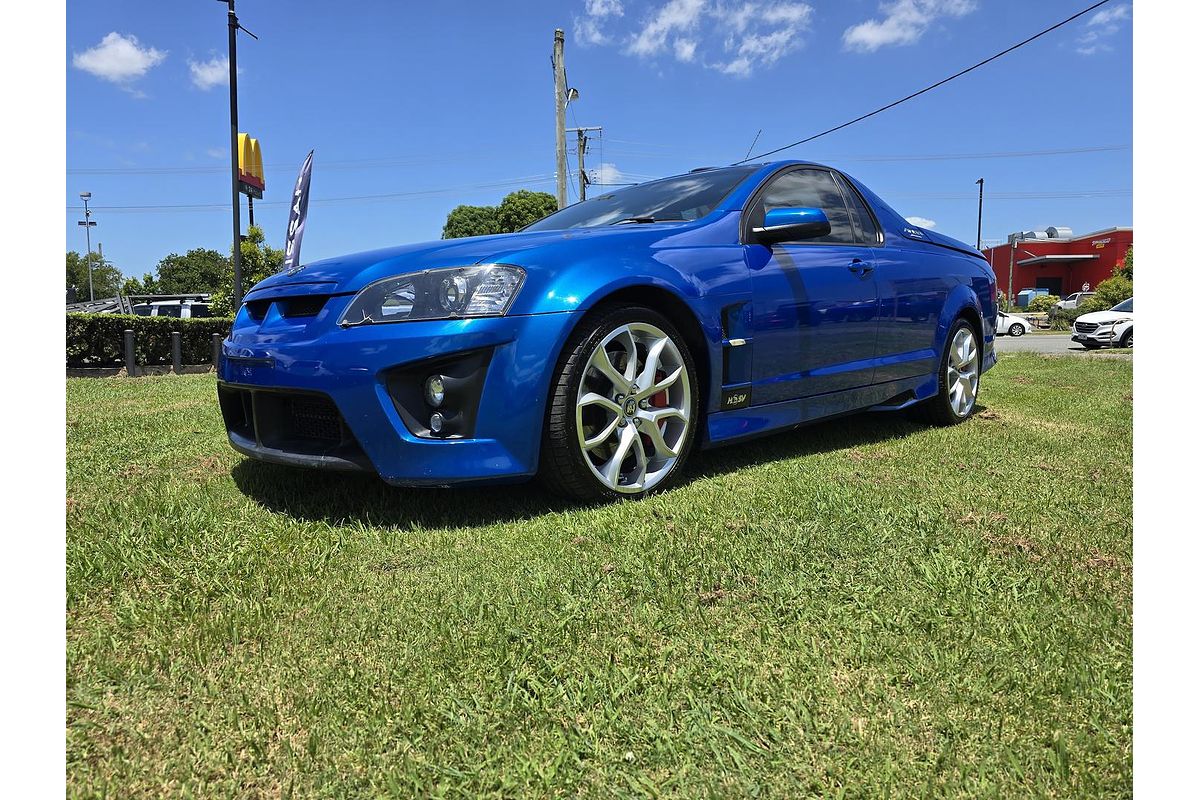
(979, 225)
(233, 157)
(87, 229)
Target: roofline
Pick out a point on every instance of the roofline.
(1080, 237)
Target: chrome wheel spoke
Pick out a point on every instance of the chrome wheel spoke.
(661, 448)
(601, 362)
(612, 468)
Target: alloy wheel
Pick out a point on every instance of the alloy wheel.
(633, 408)
(962, 372)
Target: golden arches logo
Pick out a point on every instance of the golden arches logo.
(250, 165)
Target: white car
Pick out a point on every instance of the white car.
(1073, 300)
(1012, 325)
(1113, 327)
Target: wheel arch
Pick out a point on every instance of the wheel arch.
(670, 305)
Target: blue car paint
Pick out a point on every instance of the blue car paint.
(823, 338)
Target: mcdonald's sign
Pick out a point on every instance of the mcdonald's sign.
(250, 166)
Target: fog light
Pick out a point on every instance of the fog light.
(435, 390)
(436, 422)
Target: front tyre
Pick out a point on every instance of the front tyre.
(958, 378)
(1126, 339)
(1017, 330)
(623, 407)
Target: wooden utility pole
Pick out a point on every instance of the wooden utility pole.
(581, 133)
(560, 118)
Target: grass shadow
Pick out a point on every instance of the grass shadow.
(339, 498)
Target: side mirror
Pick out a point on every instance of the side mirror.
(791, 224)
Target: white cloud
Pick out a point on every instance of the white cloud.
(588, 28)
(733, 38)
(607, 173)
(119, 59)
(217, 152)
(1103, 24)
(921, 222)
(1107, 16)
(207, 74)
(677, 16)
(903, 22)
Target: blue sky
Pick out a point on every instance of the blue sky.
(441, 105)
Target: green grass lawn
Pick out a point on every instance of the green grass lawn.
(861, 608)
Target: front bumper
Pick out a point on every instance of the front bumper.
(1101, 337)
(271, 369)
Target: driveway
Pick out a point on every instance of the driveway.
(1050, 343)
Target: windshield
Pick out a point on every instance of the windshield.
(684, 197)
(1126, 307)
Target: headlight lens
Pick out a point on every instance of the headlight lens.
(454, 293)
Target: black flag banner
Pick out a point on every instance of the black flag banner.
(297, 216)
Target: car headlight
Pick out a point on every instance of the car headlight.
(452, 293)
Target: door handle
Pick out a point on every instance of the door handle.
(860, 267)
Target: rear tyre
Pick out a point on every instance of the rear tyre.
(1017, 330)
(958, 378)
(623, 407)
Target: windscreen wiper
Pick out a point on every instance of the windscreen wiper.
(646, 220)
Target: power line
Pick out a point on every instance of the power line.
(526, 181)
(929, 88)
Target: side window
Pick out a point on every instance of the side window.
(864, 223)
(810, 188)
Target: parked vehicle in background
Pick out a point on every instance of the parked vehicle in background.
(179, 309)
(1073, 300)
(1012, 324)
(1113, 327)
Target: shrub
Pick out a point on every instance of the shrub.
(1042, 303)
(1114, 290)
(97, 340)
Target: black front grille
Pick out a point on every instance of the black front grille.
(302, 423)
(316, 418)
(288, 307)
(1086, 327)
(308, 306)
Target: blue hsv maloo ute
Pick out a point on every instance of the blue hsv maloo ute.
(598, 346)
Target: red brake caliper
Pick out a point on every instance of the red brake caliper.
(656, 401)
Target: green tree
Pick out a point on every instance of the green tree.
(198, 270)
(259, 261)
(516, 210)
(106, 278)
(1125, 269)
(147, 285)
(523, 207)
(471, 221)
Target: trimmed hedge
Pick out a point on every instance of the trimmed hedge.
(97, 340)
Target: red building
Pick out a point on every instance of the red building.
(1057, 260)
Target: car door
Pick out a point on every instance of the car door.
(815, 306)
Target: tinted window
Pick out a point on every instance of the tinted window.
(199, 310)
(864, 223)
(810, 188)
(167, 311)
(1126, 307)
(684, 197)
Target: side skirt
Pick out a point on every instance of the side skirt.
(728, 427)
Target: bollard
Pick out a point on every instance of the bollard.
(130, 365)
(176, 351)
(216, 348)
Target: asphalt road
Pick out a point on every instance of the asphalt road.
(1053, 343)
